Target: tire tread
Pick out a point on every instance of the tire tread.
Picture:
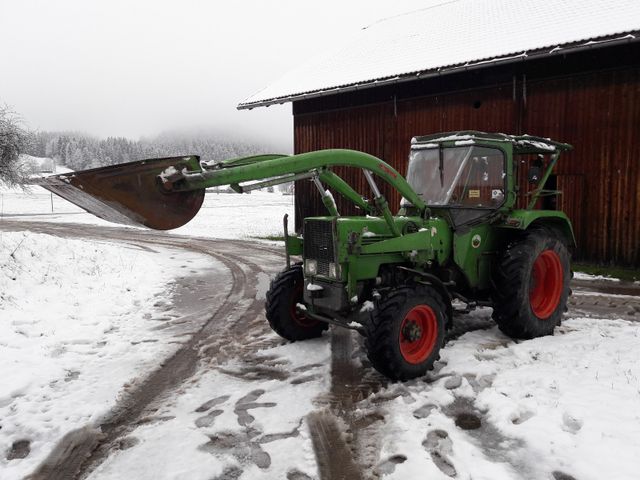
(380, 336)
(277, 307)
(511, 309)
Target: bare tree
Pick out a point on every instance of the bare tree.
(14, 140)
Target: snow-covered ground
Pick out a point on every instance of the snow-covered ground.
(224, 423)
(589, 277)
(79, 317)
(79, 321)
(74, 330)
(223, 215)
(501, 409)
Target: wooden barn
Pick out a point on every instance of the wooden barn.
(565, 69)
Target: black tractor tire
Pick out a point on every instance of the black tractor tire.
(531, 285)
(405, 331)
(285, 292)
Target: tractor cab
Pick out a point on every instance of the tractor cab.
(468, 176)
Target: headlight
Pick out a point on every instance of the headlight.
(332, 270)
(311, 267)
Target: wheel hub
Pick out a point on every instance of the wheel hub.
(411, 331)
(546, 284)
(418, 334)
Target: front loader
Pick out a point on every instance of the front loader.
(458, 238)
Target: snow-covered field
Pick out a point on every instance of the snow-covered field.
(76, 325)
(79, 321)
(223, 215)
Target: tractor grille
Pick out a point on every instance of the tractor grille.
(318, 243)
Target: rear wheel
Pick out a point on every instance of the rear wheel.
(406, 331)
(531, 285)
(284, 293)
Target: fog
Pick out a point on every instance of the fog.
(136, 68)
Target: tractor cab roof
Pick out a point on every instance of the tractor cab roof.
(522, 144)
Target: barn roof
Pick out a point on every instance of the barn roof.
(458, 34)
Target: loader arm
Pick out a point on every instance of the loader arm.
(166, 193)
(234, 172)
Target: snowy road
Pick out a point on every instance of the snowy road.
(237, 402)
(234, 342)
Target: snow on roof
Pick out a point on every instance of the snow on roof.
(521, 143)
(458, 33)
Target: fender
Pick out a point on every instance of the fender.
(440, 287)
(554, 219)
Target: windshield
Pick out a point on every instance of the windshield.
(468, 176)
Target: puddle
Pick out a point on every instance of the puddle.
(487, 437)
(19, 449)
(208, 405)
(439, 446)
(230, 473)
(558, 475)
(468, 421)
(298, 475)
(389, 466)
(126, 443)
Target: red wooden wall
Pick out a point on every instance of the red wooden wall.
(596, 111)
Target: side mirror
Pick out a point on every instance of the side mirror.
(535, 174)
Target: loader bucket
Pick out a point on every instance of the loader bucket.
(129, 193)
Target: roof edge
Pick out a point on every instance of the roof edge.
(621, 38)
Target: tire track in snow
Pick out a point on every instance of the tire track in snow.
(82, 450)
(337, 425)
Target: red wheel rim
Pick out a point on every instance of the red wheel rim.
(418, 334)
(547, 280)
(299, 318)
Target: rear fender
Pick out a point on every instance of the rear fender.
(552, 219)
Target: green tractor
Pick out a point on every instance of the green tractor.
(457, 238)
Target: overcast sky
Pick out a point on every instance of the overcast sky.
(138, 67)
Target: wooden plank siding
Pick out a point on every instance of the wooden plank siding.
(361, 129)
(597, 112)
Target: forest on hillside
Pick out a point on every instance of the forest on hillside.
(80, 151)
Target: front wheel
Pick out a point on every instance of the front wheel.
(284, 293)
(406, 331)
(531, 285)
